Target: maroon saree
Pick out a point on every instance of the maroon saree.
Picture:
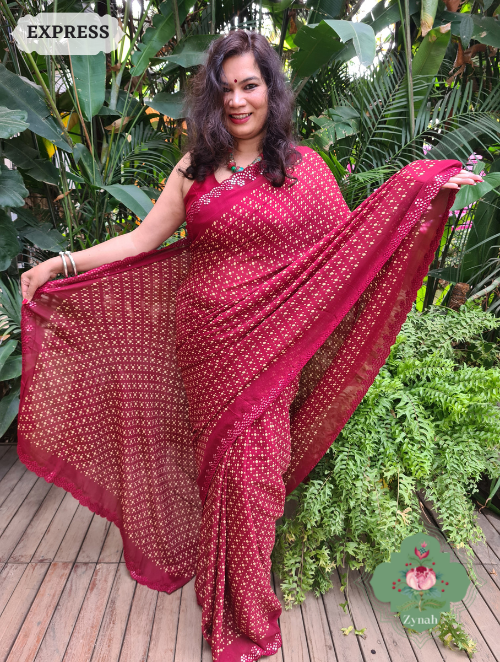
(183, 392)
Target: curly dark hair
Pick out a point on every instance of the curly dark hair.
(210, 140)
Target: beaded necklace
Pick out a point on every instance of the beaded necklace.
(231, 164)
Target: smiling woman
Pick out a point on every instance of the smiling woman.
(251, 111)
(181, 393)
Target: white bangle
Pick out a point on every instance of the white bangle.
(68, 253)
(65, 267)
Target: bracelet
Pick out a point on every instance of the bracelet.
(61, 253)
(65, 266)
(68, 253)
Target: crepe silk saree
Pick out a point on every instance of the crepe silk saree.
(184, 392)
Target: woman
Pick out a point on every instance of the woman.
(182, 392)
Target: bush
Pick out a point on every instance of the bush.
(429, 422)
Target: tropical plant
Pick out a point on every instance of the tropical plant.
(10, 351)
(432, 405)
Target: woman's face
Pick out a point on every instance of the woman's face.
(245, 97)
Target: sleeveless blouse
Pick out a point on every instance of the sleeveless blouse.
(198, 189)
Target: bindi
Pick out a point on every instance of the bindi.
(235, 80)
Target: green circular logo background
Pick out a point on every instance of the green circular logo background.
(420, 581)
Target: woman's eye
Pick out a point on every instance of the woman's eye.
(250, 86)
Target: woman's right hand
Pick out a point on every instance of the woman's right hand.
(37, 276)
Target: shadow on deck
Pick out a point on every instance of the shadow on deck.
(66, 595)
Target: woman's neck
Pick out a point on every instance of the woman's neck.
(244, 149)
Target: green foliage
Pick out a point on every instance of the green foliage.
(89, 73)
(19, 94)
(12, 121)
(429, 423)
(452, 633)
(10, 350)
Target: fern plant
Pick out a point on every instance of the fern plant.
(429, 423)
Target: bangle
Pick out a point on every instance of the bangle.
(61, 253)
(68, 253)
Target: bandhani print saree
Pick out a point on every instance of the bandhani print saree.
(184, 392)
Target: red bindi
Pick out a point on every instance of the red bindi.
(235, 80)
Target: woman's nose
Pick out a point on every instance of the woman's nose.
(237, 99)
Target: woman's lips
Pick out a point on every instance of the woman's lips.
(239, 120)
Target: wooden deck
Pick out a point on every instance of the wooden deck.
(66, 595)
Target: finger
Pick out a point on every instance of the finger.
(464, 180)
(24, 286)
(31, 290)
(450, 185)
(468, 175)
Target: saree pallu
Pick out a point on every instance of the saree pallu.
(184, 392)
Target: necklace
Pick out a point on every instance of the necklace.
(231, 163)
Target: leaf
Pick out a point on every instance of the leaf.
(126, 104)
(427, 15)
(191, 51)
(325, 9)
(132, 197)
(347, 631)
(119, 125)
(494, 489)
(9, 246)
(17, 94)
(344, 606)
(152, 193)
(12, 122)
(466, 30)
(89, 165)
(75, 178)
(430, 54)
(381, 15)
(9, 407)
(26, 157)
(318, 44)
(486, 30)
(90, 82)
(361, 633)
(46, 238)
(11, 368)
(157, 36)
(469, 194)
(482, 237)
(12, 189)
(6, 350)
(450, 274)
(362, 36)
(408, 605)
(433, 603)
(168, 104)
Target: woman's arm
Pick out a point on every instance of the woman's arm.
(161, 222)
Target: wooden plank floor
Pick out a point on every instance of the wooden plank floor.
(66, 596)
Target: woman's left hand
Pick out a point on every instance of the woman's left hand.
(463, 177)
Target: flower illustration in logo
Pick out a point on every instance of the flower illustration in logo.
(422, 552)
(421, 578)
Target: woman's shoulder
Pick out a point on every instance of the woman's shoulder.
(307, 154)
(304, 149)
